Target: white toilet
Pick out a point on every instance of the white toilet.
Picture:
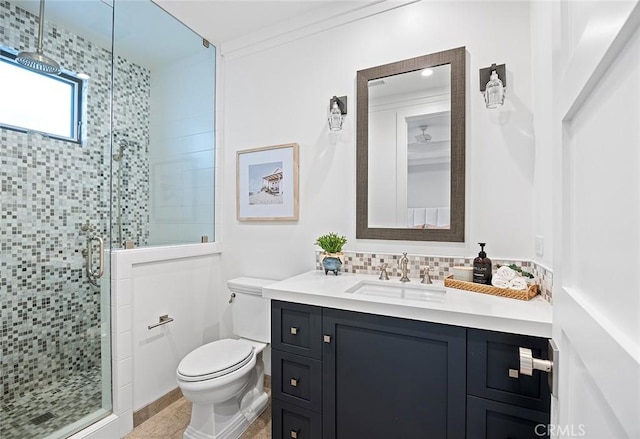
(225, 379)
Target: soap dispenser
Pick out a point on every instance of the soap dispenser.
(482, 267)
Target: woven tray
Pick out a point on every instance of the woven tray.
(527, 294)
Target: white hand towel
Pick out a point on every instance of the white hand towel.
(518, 283)
(499, 282)
(506, 272)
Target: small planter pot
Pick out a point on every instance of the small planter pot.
(332, 262)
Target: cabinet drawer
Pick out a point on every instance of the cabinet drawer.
(496, 420)
(296, 328)
(291, 422)
(493, 364)
(297, 380)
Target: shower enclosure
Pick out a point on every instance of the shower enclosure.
(123, 169)
(141, 169)
(55, 201)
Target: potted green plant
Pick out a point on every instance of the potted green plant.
(332, 244)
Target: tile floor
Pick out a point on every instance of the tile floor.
(51, 407)
(171, 422)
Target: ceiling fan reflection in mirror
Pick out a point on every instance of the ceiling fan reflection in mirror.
(423, 138)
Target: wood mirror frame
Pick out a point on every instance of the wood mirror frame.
(456, 59)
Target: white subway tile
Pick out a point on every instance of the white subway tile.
(124, 318)
(124, 345)
(198, 160)
(125, 398)
(126, 422)
(193, 232)
(123, 292)
(199, 124)
(125, 372)
(198, 177)
(198, 142)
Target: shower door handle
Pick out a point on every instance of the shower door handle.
(95, 275)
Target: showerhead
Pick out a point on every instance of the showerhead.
(122, 144)
(37, 60)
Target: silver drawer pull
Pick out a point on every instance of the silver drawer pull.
(327, 339)
(295, 433)
(294, 330)
(513, 373)
(294, 382)
(162, 320)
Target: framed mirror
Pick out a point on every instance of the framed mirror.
(410, 149)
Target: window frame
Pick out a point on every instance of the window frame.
(78, 86)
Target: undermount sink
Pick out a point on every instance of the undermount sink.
(399, 290)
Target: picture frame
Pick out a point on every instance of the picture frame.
(267, 183)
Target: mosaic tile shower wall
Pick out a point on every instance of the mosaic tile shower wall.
(131, 102)
(439, 267)
(49, 189)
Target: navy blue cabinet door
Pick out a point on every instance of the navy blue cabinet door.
(292, 422)
(295, 328)
(493, 364)
(495, 420)
(386, 378)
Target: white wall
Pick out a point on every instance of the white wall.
(181, 150)
(542, 103)
(299, 77)
(281, 94)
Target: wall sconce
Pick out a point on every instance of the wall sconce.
(338, 108)
(493, 82)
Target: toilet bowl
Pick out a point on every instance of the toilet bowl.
(224, 379)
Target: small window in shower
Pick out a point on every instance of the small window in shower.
(32, 101)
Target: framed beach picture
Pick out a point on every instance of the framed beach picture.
(267, 183)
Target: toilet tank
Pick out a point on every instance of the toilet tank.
(250, 312)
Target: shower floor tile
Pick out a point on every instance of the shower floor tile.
(45, 410)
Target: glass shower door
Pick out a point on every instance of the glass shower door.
(55, 347)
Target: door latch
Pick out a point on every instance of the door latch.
(528, 364)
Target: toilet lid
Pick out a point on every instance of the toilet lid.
(215, 359)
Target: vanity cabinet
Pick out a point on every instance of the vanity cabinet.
(296, 377)
(501, 402)
(385, 377)
(342, 374)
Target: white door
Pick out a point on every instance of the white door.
(596, 318)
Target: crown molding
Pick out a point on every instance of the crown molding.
(305, 25)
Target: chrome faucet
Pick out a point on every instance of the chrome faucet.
(383, 271)
(426, 278)
(403, 262)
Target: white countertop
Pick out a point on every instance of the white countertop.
(456, 307)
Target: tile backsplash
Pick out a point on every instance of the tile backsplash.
(439, 267)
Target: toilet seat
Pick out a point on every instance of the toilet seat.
(215, 359)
